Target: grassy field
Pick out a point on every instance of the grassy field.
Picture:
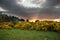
(17, 34)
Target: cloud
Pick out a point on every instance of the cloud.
(45, 9)
(13, 7)
(1, 9)
(51, 3)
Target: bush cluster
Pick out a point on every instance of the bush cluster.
(14, 22)
(39, 25)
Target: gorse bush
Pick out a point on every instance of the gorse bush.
(45, 26)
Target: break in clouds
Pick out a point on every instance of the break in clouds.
(32, 8)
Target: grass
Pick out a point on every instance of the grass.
(17, 34)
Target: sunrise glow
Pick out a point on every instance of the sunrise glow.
(57, 20)
(33, 20)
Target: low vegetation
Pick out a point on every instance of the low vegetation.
(44, 26)
(14, 22)
(13, 28)
(17, 34)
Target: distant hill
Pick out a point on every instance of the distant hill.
(6, 18)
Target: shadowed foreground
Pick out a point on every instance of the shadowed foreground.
(17, 34)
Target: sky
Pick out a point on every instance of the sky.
(29, 9)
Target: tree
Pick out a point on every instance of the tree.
(37, 21)
(22, 20)
(27, 20)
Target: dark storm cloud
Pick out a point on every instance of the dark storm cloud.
(51, 3)
(46, 12)
(13, 7)
(19, 10)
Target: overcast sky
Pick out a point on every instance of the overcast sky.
(39, 9)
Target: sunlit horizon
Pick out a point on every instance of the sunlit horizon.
(33, 20)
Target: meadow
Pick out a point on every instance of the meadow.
(18, 34)
(13, 28)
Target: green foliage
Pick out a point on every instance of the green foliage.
(6, 18)
(17, 34)
(14, 22)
